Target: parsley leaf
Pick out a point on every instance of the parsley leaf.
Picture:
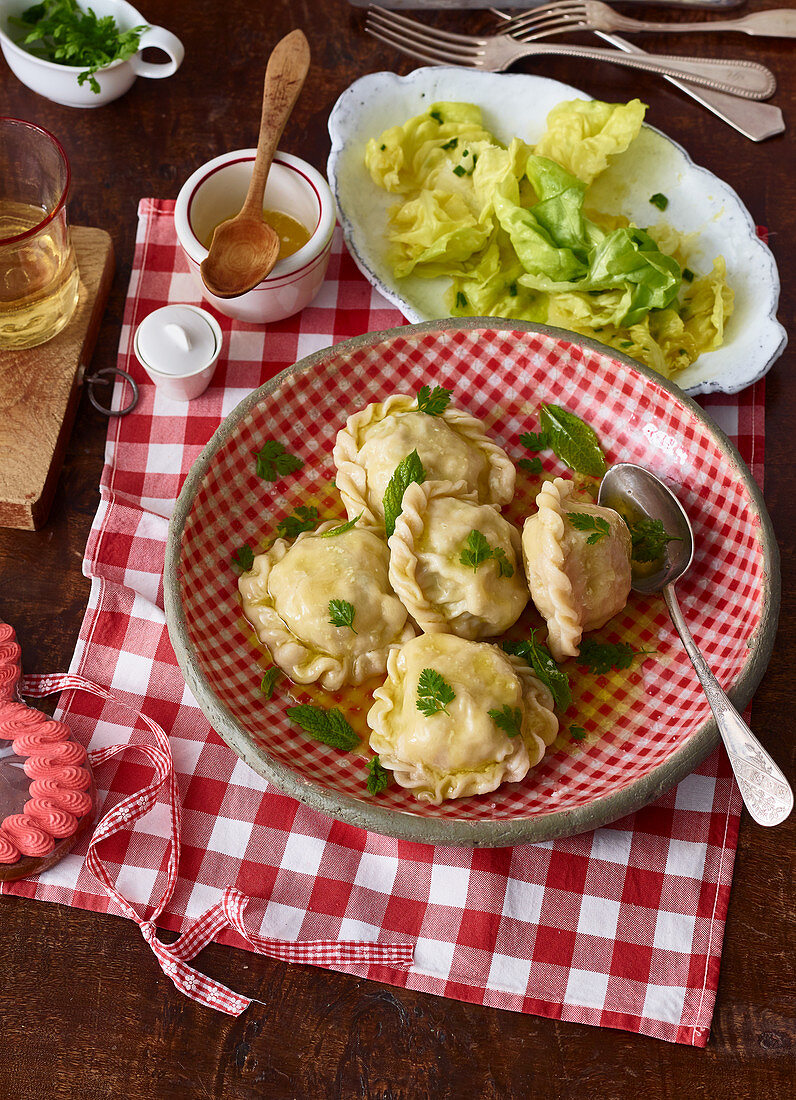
(243, 558)
(583, 521)
(342, 528)
(534, 441)
(433, 693)
(477, 551)
(575, 443)
(454, 141)
(303, 519)
(268, 682)
(273, 461)
(659, 200)
(60, 31)
(328, 726)
(649, 539)
(408, 470)
(433, 402)
(532, 465)
(505, 568)
(577, 733)
(509, 720)
(600, 657)
(542, 663)
(378, 776)
(341, 613)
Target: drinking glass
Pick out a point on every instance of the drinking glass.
(39, 279)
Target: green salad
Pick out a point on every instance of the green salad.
(513, 229)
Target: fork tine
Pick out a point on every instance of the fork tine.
(562, 9)
(419, 50)
(390, 20)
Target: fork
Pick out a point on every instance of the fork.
(756, 121)
(496, 53)
(593, 15)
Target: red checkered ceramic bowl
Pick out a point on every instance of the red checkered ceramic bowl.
(646, 727)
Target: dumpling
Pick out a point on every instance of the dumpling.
(452, 446)
(439, 524)
(579, 578)
(461, 749)
(287, 597)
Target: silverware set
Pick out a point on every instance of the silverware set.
(731, 89)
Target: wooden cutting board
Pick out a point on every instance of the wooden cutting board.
(39, 391)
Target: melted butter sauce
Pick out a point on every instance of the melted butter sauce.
(292, 234)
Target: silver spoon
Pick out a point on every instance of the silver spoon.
(632, 490)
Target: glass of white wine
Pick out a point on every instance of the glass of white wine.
(39, 278)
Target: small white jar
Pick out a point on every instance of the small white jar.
(295, 188)
(178, 346)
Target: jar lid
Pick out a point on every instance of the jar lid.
(178, 340)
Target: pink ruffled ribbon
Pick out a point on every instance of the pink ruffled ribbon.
(226, 913)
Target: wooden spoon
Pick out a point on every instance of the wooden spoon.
(245, 248)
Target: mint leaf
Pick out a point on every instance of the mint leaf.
(328, 726)
(243, 558)
(408, 470)
(509, 720)
(378, 776)
(542, 663)
(433, 693)
(572, 440)
(342, 528)
(268, 682)
(433, 402)
(303, 519)
(273, 461)
(341, 613)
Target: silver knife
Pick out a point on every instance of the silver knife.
(754, 120)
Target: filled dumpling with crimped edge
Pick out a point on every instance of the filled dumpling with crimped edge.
(456, 564)
(324, 606)
(577, 561)
(452, 445)
(457, 717)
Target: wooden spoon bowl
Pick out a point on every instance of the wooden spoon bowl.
(245, 248)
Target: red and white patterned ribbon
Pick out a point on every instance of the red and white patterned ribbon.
(228, 912)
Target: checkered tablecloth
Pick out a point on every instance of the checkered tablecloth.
(621, 927)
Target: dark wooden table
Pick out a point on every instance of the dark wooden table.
(85, 1011)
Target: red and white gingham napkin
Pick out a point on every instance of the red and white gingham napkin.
(621, 927)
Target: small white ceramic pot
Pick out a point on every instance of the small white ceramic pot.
(217, 190)
(178, 346)
(59, 82)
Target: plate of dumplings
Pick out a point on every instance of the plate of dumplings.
(394, 599)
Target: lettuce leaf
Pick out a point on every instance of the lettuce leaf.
(582, 135)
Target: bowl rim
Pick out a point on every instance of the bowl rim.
(302, 258)
(404, 825)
